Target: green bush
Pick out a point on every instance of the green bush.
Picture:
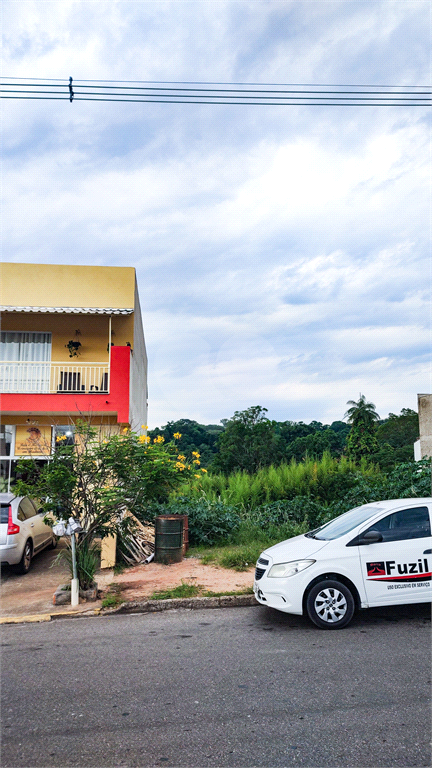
(209, 522)
(301, 510)
(87, 560)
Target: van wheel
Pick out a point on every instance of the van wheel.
(330, 605)
(54, 541)
(25, 562)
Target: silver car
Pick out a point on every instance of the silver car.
(23, 532)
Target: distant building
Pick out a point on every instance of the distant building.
(423, 446)
(72, 345)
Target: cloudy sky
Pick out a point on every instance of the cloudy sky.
(282, 253)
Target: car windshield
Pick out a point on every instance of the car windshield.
(344, 523)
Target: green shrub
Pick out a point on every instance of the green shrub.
(87, 560)
(209, 522)
(301, 510)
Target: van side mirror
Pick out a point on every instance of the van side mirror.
(371, 537)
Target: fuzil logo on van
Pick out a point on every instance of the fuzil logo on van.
(390, 570)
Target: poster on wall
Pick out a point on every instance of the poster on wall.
(32, 441)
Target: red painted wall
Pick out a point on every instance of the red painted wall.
(117, 400)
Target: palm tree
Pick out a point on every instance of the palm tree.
(361, 440)
(361, 411)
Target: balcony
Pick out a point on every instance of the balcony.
(53, 378)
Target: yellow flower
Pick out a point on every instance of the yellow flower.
(203, 470)
(125, 430)
(180, 466)
(142, 439)
(144, 426)
(177, 435)
(198, 476)
(195, 461)
(159, 439)
(196, 454)
(181, 457)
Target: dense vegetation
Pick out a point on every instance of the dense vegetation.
(249, 441)
(271, 480)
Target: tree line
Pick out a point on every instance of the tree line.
(249, 440)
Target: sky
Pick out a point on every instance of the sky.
(283, 254)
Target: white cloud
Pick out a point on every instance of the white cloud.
(282, 253)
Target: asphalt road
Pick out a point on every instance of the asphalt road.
(228, 687)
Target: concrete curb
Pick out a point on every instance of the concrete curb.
(49, 616)
(25, 619)
(144, 606)
(153, 606)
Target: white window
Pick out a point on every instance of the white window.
(25, 361)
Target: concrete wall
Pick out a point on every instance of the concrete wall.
(138, 382)
(425, 422)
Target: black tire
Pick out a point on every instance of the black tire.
(54, 541)
(25, 562)
(330, 605)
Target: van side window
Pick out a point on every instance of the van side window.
(413, 523)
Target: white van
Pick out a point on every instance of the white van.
(373, 555)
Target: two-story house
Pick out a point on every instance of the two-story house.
(72, 346)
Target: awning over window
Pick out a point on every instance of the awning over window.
(70, 310)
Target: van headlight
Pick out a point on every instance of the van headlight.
(283, 570)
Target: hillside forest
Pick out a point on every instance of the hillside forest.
(249, 441)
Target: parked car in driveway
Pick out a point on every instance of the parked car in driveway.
(375, 555)
(23, 532)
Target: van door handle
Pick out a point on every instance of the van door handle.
(427, 552)
(31, 525)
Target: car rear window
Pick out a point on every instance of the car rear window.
(4, 513)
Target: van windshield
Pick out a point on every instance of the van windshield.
(344, 523)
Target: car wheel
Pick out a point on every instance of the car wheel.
(54, 541)
(330, 605)
(25, 562)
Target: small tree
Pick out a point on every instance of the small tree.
(362, 416)
(98, 480)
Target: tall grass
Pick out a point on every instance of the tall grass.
(324, 480)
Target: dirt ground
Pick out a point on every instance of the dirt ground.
(33, 593)
(142, 580)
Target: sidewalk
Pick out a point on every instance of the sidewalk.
(32, 594)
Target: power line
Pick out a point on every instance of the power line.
(182, 93)
(202, 82)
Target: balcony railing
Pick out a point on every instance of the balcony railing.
(38, 378)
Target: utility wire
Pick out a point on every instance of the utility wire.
(178, 93)
(201, 82)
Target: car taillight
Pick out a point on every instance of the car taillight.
(12, 528)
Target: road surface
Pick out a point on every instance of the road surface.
(225, 687)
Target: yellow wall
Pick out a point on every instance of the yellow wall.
(122, 330)
(94, 333)
(60, 285)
